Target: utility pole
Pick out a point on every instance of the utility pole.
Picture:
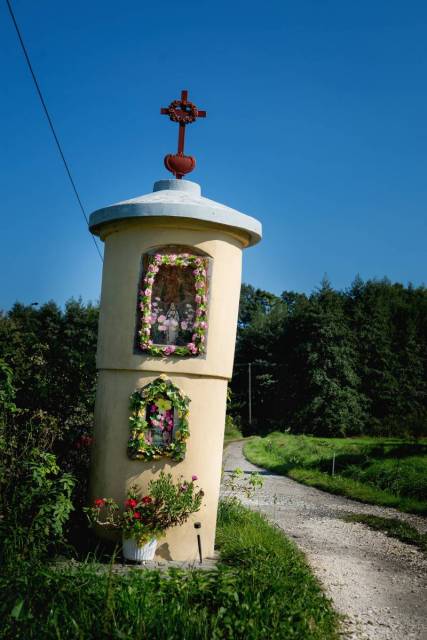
(249, 365)
(250, 391)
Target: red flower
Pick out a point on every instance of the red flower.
(100, 502)
(147, 500)
(131, 503)
(83, 441)
(136, 515)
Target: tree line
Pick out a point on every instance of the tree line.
(333, 363)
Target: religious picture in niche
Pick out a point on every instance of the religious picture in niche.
(173, 305)
(158, 421)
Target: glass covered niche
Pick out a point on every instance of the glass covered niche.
(173, 304)
(158, 421)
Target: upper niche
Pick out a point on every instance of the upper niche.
(173, 304)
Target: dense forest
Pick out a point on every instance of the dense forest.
(333, 363)
(330, 363)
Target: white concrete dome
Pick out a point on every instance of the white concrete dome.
(177, 199)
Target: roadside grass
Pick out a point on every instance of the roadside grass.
(232, 431)
(392, 527)
(262, 588)
(390, 472)
(231, 434)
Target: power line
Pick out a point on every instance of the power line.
(61, 153)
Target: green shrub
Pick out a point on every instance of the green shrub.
(36, 511)
(35, 496)
(232, 430)
(405, 477)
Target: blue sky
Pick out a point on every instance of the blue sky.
(316, 125)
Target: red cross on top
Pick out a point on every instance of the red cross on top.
(184, 112)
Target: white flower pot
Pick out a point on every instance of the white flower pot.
(139, 553)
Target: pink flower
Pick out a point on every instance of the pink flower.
(203, 325)
(183, 487)
(172, 257)
(194, 478)
(168, 350)
(199, 312)
(194, 337)
(192, 347)
(149, 280)
(198, 261)
(158, 257)
(198, 299)
(161, 319)
(202, 338)
(147, 292)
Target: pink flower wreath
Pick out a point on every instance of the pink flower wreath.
(200, 325)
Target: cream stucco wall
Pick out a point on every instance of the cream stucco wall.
(122, 369)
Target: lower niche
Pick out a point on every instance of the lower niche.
(158, 421)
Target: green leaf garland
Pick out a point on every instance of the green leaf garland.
(139, 447)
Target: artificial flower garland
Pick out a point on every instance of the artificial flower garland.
(200, 325)
(140, 445)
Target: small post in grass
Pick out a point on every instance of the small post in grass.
(198, 525)
(333, 464)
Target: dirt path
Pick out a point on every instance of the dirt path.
(378, 583)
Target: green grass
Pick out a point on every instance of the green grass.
(231, 431)
(232, 434)
(392, 527)
(390, 472)
(262, 589)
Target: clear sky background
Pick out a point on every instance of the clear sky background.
(316, 125)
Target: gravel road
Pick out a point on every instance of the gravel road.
(378, 583)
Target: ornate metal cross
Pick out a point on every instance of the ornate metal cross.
(184, 112)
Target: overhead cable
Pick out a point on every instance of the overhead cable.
(52, 128)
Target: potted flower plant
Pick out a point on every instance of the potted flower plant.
(145, 519)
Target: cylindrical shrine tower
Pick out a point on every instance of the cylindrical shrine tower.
(168, 316)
